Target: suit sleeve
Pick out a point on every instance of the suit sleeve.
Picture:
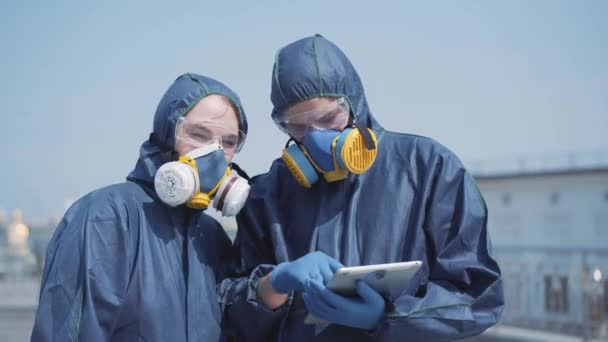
(245, 317)
(85, 275)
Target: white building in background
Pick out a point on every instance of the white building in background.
(17, 234)
(19, 285)
(16, 259)
(548, 220)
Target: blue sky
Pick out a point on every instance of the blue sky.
(79, 82)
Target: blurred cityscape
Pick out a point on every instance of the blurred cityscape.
(548, 223)
(548, 220)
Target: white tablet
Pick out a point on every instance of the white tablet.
(387, 279)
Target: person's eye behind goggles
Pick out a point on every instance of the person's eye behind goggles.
(334, 115)
(203, 133)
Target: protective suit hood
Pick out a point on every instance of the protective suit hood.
(315, 67)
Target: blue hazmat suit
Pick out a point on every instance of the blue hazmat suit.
(123, 266)
(417, 202)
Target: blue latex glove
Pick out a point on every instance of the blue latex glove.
(296, 275)
(363, 312)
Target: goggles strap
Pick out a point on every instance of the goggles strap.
(240, 171)
(289, 140)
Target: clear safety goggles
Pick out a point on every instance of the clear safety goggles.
(334, 115)
(202, 133)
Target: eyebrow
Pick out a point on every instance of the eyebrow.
(332, 113)
(230, 136)
(200, 129)
(203, 129)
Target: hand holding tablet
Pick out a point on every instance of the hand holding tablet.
(388, 280)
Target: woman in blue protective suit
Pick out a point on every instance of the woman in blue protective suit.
(139, 260)
(348, 192)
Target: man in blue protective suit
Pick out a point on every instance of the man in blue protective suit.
(139, 261)
(348, 192)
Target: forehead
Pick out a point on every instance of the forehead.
(214, 108)
(315, 103)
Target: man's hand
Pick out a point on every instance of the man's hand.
(295, 276)
(363, 311)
